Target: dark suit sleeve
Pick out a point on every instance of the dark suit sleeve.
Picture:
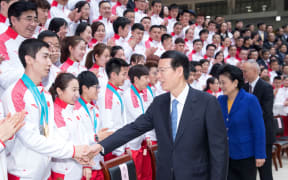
(217, 140)
(267, 108)
(141, 125)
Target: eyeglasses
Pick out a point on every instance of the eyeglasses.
(163, 69)
(97, 87)
(30, 19)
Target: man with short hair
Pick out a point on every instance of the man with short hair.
(156, 7)
(36, 140)
(231, 58)
(111, 102)
(186, 121)
(171, 19)
(23, 19)
(264, 92)
(140, 6)
(54, 46)
(104, 17)
(196, 53)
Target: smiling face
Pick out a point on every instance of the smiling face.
(77, 53)
(70, 94)
(167, 76)
(25, 25)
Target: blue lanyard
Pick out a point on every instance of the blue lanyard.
(138, 95)
(86, 109)
(150, 90)
(39, 98)
(117, 94)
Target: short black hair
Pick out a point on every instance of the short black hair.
(173, 6)
(277, 78)
(115, 65)
(179, 40)
(178, 59)
(211, 45)
(197, 40)
(102, 2)
(202, 61)
(120, 22)
(203, 31)
(88, 79)
(81, 28)
(115, 49)
(154, 26)
(47, 33)
(128, 11)
(17, 9)
(233, 73)
(137, 71)
(191, 67)
(137, 26)
(80, 4)
(146, 17)
(30, 47)
(56, 23)
(43, 4)
(155, 1)
(165, 37)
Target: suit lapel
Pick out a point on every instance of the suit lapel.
(257, 87)
(164, 108)
(190, 104)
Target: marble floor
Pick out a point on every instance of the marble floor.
(282, 173)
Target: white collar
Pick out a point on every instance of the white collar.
(253, 84)
(182, 96)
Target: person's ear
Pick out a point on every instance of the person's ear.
(59, 91)
(180, 71)
(235, 82)
(13, 20)
(70, 48)
(28, 59)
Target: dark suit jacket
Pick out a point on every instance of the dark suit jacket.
(264, 92)
(200, 150)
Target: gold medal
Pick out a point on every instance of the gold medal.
(46, 130)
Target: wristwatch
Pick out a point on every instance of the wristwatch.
(96, 138)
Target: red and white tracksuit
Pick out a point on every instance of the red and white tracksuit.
(30, 152)
(72, 67)
(11, 68)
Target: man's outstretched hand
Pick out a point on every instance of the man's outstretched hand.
(84, 154)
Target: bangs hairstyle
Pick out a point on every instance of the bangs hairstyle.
(88, 79)
(61, 81)
(137, 71)
(66, 43)
(233, 73)
(30, 47)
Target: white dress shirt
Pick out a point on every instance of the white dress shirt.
(253, 84)
(181, 101)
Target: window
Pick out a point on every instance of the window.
(212, 8)
(247, 6)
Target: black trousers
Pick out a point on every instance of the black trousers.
(265, 171)
(243, 169)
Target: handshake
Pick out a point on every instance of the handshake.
(84, 154)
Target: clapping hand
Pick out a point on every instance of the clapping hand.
(11, 124)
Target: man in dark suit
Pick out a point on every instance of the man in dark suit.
(191, 135)
(264, 92)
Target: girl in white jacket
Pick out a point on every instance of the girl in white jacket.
(65, 92)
